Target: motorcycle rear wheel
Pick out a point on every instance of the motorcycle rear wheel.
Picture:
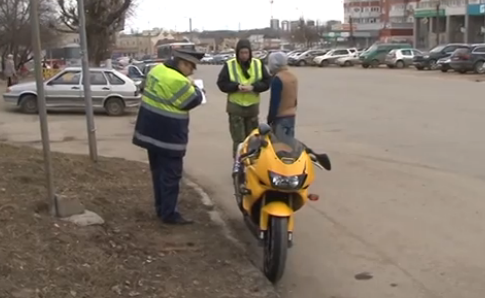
(275, 248)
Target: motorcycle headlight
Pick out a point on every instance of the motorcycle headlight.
(286, 182)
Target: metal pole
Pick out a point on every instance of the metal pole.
(351, 25)
(466, 34)
(482, 29)
(44, 129)
(438, 25)
(93, 151)
(190, 30)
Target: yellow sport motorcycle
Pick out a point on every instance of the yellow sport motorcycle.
(271, 176)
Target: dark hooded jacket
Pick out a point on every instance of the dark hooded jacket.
(225, 85)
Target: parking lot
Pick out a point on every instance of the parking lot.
(404, 204)
(405, 201)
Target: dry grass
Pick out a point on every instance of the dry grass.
(132, 255)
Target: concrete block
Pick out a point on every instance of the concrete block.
(25, 293)
(88, 218)
(67, 206)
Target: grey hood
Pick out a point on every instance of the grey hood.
(277, 61)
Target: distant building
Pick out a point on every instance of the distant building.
(332, 22)
(145, 43)
(274, 24)
(271, 42)
(257, 41)
(134, 45)
(381, 20)
(310, 23)
(285, 26)
(65, 38)
(294, 25)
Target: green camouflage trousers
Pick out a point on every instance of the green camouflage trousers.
(240, 127)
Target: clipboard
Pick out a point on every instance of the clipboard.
(200, 83)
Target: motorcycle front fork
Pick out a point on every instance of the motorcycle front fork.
(238, 180)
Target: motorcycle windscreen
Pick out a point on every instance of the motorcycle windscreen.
(286, 148)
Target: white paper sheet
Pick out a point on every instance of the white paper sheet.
(200, 84)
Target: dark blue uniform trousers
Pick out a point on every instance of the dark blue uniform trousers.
(166, 174)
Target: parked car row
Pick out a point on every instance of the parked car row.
(321, 57)
(400, 55)
(461, 58)
(217, 58)
(458, 57)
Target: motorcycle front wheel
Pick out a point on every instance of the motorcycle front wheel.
(275, 248)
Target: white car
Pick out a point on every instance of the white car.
(207, 59)
(111, 91)
(331, 56)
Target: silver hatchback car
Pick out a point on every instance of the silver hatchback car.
(401, 58)
(111, 90)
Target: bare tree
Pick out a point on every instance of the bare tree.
(15, 28)
(104, 18)
(304, 34)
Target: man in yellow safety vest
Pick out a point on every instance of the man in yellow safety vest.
(243, 78)
(162, 128)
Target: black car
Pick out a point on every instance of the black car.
(444, 63)
(469, 59)
(429, 60)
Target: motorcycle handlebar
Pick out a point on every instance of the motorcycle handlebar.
(247, 154)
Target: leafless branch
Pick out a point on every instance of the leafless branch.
(15, 27)
(103, 20)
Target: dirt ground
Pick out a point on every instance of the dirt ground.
(132, 255)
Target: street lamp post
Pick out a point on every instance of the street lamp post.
(44, 129)
(88, 101)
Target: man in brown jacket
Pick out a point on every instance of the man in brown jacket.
(284, 96)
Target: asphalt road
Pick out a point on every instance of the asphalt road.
(405, 201)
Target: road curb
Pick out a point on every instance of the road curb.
(217, 218)
(214, 214)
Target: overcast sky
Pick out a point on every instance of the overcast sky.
(224, 14)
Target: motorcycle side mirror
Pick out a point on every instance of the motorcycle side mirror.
(324, 160)
(264, 129)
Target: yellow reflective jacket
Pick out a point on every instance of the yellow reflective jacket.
(236, 75)
(163, 118)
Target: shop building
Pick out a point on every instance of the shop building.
(449, 21)
(370, 21)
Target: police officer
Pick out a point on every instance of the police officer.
(162, 128)
(243, 78)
